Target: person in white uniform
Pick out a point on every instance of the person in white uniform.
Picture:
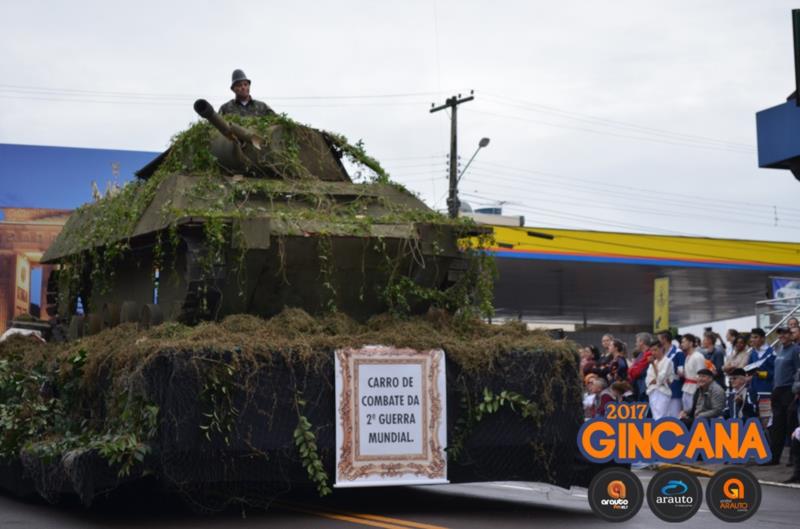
(695, 361)
(660, 374)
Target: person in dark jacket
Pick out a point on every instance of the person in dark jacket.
(708, 401)
(787, 363)
(243, 104)
(741, 401)
(763, 357)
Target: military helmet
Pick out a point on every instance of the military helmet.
(238, 75)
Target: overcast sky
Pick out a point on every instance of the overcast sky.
(623, 116)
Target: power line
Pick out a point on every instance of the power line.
(184, 103)
(432, 163)
(623, 188)
(417, 173)
(84, 95)
(154, 95)
(111, 102)
(414, 157)
(616, 135)
(649, 211)
(720, 212)
(594, 220)
(587, 118)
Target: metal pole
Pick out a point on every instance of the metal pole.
(796, 35)
(452, 103)
(484, 142)
(452, 198)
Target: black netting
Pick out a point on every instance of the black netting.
(259, 460)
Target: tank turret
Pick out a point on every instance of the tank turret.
(252, 215)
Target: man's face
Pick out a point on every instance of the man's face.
(795, 334)
(242, 90)
(793, 323)
(756, 341)
(708, 343)
(704, 381)
(740, 345)
(686, 344)
(640, 345)
(737, 381)
(785, 338)
(658, 352)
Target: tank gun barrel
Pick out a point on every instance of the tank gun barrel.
(229, 130)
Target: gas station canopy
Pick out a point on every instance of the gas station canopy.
(606, 278)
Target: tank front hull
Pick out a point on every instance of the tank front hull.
(353, 275)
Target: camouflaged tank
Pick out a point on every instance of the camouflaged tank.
(250, 215)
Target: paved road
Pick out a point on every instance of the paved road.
(497, 505)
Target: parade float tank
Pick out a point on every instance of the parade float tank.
(202, 306)
(237, 220)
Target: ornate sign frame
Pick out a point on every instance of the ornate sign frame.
(356, 469)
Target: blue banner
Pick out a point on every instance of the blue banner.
(785, 287)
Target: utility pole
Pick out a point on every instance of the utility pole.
(452, 103)
(796, 35)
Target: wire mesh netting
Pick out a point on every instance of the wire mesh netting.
(228, 408)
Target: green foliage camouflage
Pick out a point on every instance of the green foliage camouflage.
(99, 235)
(243, 386)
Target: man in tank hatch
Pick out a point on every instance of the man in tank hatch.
(243, 104)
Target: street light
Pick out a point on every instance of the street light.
(481, 144)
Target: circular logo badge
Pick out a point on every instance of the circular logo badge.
(733, 494)
(674, 495)
(616, 494)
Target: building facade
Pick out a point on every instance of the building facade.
(25, 234)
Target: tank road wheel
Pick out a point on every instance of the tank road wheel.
(151, 316)
(94, 323)
(129, 312)
(110, 315)
(75, 330)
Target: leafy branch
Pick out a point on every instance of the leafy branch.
(306, 442)
(489, 404)
(217, 396)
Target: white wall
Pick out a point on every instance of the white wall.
(744, 323)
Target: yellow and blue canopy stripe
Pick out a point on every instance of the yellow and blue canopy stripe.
(656, 250)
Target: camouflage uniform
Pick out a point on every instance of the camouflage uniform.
(253, 108)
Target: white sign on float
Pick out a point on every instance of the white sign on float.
(390, 417)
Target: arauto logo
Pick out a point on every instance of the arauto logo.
(624, 435)
(733, 489)
(674, 495)
(733, 494)
(616, 489)
(616, 494)
(674, 488)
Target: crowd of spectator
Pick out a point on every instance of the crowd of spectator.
(689, 377)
